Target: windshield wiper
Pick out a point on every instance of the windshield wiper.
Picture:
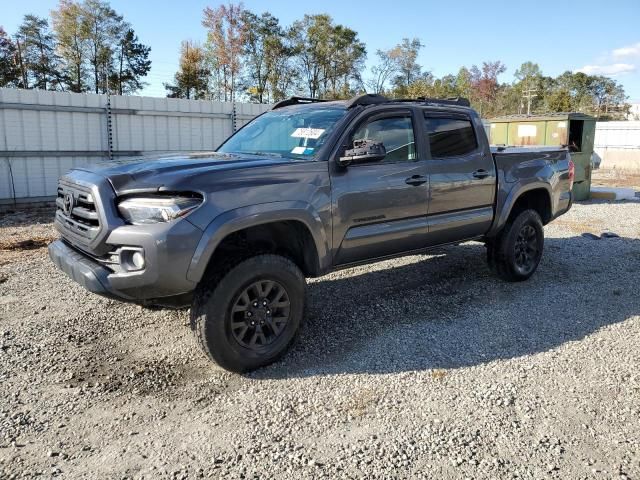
(266, 154)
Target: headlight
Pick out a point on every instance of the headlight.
(146, 210)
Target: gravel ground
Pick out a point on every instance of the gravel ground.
(421, 367)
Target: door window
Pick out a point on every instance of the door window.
(450, 137)
(395, 133)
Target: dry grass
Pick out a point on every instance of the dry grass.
(581, 226)
(438, 374)
(616, 178)
(362, 402)
(23, 235)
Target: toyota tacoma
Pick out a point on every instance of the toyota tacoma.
(306, 188)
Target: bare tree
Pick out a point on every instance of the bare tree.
(384, 70)
(226, 36)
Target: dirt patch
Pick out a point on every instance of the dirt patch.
(361, 402)
(24, 235)
(29, 244)
(615, 178)
(591, 225)
(439, 374)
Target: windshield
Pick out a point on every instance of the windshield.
(294, 132)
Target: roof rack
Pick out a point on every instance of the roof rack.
(366, 99)
(296, 101)
(460, 101)
(374, 99)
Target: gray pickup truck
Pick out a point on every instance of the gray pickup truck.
(304, 189)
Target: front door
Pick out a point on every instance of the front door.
(380, 208)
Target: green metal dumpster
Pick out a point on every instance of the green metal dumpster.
(574, 130)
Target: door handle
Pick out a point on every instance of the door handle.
(416, 180)
(481, 173)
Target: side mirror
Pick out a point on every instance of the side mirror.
(363, 151)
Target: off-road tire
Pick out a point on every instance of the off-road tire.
(504, 252)
(219, 293)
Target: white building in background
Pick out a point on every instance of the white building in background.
(634, 111)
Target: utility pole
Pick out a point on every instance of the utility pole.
(529, 94)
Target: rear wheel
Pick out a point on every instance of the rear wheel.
(249, 316)
(514, 255)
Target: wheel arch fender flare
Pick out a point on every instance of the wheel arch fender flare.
(250, 216)
(508, 202)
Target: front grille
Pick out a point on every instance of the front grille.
(76, 212)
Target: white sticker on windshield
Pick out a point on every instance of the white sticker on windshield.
(307, 132)
(302, 151)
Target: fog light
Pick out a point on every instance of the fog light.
(132, 260)
(137, 259)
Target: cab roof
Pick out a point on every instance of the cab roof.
(373, 99)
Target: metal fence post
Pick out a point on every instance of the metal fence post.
(234, 125)
(109, 127)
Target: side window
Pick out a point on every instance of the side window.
(450, 137)
(396, 134)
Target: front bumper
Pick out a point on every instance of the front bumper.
(168, 250)
(81, 269)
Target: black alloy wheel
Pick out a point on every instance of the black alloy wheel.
(526, 249)
(260, 314)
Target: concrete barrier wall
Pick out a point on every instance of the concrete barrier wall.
(44, 134)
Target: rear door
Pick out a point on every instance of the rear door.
(380, 208)
(462, 178)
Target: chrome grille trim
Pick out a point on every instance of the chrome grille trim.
(76, 212)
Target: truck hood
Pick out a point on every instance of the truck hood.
(147, 174)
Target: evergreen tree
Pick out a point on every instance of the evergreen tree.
(9, 72)
(131, 64)
(38, 58)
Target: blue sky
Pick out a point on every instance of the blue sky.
(593, 35)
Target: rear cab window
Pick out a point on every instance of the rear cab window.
(450, 136)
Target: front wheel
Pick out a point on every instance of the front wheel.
(248, 318)
(515, 254)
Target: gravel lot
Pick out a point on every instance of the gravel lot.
(421, 367)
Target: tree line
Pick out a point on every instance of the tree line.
(246, 56)
(531, 92)
(255, 58)
(84, 47)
